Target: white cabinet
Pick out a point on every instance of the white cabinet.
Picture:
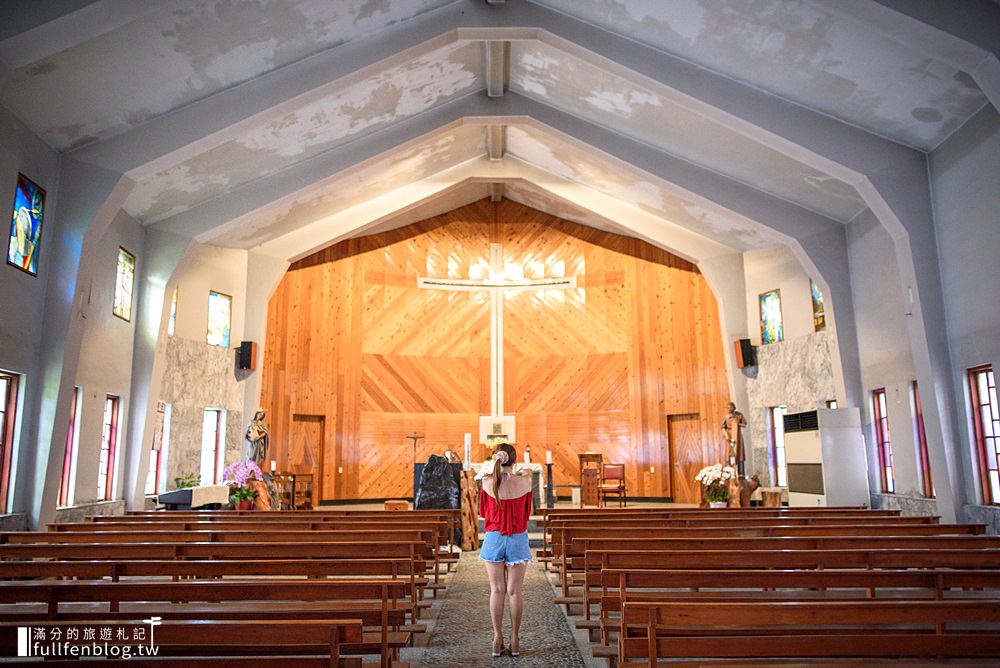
(825, 455)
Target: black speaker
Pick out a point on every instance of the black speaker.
(745, 354)
(247, 356)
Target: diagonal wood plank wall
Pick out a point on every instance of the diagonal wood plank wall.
(352, 338)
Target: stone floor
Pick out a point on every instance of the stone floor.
(462, 633)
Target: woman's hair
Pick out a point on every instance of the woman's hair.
(504, 455)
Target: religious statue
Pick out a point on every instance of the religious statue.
(732, 429)
(257, 438)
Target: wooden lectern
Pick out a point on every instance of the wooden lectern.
(590, 477)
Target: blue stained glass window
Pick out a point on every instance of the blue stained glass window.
(26, 226)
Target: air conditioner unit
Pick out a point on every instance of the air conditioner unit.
(826, 460)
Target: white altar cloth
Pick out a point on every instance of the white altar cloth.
(206, 494)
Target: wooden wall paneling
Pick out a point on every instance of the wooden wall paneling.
(599, 367)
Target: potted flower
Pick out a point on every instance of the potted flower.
(238, 475)
(714, 481)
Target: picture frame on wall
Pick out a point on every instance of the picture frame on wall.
(26, 225)
(771, 327)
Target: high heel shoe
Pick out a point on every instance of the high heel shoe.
(497, 647)
(515, 647)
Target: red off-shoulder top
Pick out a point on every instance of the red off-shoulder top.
(508, 516)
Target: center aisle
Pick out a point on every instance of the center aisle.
(462, 633)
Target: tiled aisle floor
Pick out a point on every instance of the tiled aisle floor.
(462, 633)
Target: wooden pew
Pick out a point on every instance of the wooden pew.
(250, 523)
(621, 586)
(451, 516)
(556, 527)
(599, 562)
(423, 540)
(216, 643)
(335, 598)
(208, 551)
(604, 516)
(782, 631)
(358, 527)
(742, 530)
(392, 568)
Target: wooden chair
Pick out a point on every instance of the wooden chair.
(612, 483)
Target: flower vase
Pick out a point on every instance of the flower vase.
(245, 504)
(717, 504)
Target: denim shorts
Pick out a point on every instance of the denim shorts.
(508, 549)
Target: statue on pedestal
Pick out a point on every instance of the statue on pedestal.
(732, 430)
(257, 439)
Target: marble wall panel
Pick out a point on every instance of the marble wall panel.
(909, 505)
(988, 515)
(798, 373)
(199, 376)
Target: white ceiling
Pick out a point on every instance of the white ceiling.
(79, 87)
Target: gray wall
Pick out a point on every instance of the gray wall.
(106, 359)
(884, 349)
(965, 180)
(22, 296)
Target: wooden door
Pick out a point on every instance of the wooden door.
(684, 432)
(305, 450)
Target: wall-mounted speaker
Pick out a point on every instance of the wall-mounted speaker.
(247, 355)
(745, 354)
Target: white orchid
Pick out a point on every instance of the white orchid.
(716, 479)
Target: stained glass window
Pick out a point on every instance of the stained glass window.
(172, 320)
(124, 280)
(26, 226)
(986, 419)
(109, 445)
(771, 330)
(213, 429)
(883, 440)
(220, 313)
(777, 423)
(66, 486)
(8, 415)
(819, 313)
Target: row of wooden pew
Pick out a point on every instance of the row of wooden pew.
(689, 586)
(290, 588)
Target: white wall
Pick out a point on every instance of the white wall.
(198, 375)
(106, 357)
(222, 270)
(778, 269)
(799, 372)
(965, 181)
(880, 310)
(22, 296)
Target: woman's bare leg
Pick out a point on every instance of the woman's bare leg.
(498, 588)
(515, 585)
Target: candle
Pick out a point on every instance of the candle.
(467, 462)
(548, 456)
(274, 466)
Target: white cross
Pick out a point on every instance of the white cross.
(495, 283)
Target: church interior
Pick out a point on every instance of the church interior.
(283, 275)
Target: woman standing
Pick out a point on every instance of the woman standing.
(505, 505)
